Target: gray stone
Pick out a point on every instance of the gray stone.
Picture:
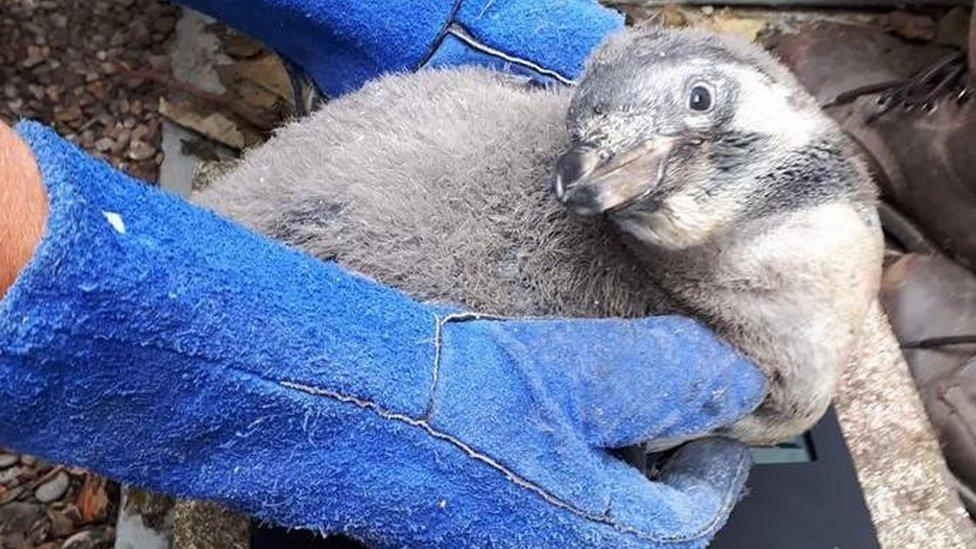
(53, 489)
(9, 474)
(81, 540)
(139, 150)
(6, 460)
(104, 144)
(18, 516)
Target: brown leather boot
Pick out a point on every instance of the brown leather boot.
(908, 107)
(911, 108)
(931, 303)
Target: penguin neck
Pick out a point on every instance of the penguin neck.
(822, 171)
(791, 292)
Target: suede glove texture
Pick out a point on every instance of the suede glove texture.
(161, 345)
(340, 44)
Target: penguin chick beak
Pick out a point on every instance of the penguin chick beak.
(591, 182)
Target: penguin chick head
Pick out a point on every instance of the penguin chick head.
(679, 134)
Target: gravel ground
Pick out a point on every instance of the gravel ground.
(49, 506)
(69, 63)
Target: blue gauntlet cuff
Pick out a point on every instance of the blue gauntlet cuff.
(154, 271)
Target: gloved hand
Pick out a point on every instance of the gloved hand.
(341, 44)
(158, 344)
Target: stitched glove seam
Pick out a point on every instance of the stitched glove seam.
(486, 459)
(368, 405)
(741, 468)
(439, 39)
(462, 33)
(438, 345)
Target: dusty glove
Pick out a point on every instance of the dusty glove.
(161, 345)
(341, 44)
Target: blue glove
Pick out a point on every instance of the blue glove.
(159, 344)
(341, 44)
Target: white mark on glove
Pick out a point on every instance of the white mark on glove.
(115, 220)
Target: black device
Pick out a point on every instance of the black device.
(801, 495)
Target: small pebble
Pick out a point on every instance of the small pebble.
(9, 474)
(72, 513)
(6, 460)
(61, 525)
(81, 540)
(10, 494)
(53, 489)
(104, 144)
(139, 150)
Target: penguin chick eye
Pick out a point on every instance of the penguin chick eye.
(700, 98)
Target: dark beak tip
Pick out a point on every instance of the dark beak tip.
(574, 165)
(582, 201)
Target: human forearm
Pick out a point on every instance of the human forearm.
(23, 206)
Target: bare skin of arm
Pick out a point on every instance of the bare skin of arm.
(23, 206)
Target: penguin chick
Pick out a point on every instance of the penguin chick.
(744, 205)
(746, 201)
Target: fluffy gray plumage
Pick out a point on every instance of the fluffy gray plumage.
(757, 219)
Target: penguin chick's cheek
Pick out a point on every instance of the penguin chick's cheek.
(591, 182)
(680, 220)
